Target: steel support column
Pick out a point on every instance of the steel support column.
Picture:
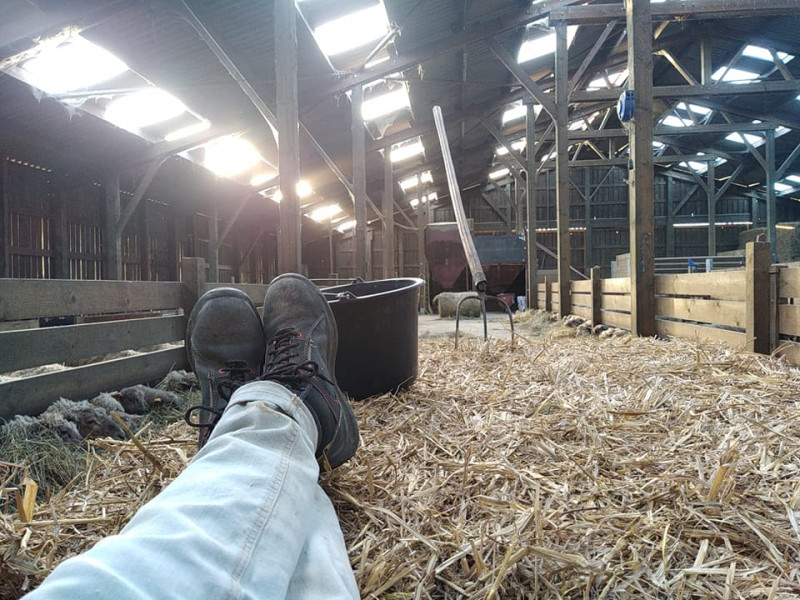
(288, 135)
(640, 177)
(562, 167)
(359, 183)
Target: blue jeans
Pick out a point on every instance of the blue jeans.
(245, 519)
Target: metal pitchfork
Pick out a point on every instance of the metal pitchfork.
(478, 276)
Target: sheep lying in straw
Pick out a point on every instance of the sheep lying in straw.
(447, 302)
(71, 421)
(138, 399)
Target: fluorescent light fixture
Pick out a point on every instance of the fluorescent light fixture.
(764, 54)
(385, 104)
(185, 132)
(406, 150)
(543, 45)
(739, 138)
(346, 225)
(230, 156)
(499, 173)
(615, 79)
(325, 213)
(352, 31)
(721, 224)
(695, 108)
(73, 64)
(787, 227)
(555, 230)
(793, 178)
(734, 75)
(143, 108)
(262, 178)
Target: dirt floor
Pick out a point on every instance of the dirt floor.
(497, 326)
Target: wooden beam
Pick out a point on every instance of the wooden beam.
(576, 77)
(359, 182)
(503, 140)
(531, 275)
(640, 177)
(388, 220)
(510, 63)
(285, 34)
(679, 10)
(689, 91)
(711, 199)
(561, 116)
(758, 257)
(769, 171)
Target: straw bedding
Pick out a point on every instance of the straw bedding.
(563, 467)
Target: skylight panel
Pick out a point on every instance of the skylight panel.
(674, 121)
(406, 150)
(325, 213)
(754, 139)
(230, 156)
(499, 173)
(518, 145)
(701, 167)
(346, 226)
(72, 64)
(543, 45)
(409, 182)
(615, 79)
(385, 104)
(352, 31)
(793, 178)
(302, 187)
(143, 108)
(764, 54)
(659, 145)
(694, 108)
(426, 177)
(261, 178)
(734, 75)
(185, 132)
(782, 187)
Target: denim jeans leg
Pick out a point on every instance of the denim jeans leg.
(233, 524)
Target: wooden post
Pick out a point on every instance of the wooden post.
(711, 195)
(588, 250)
(388, 218)
(548, 298)
(640, 177)
(288, 134)
(213, 239)
(562, 168)
(669, 234)
(359, 183)
(774, 300)
(770, 185)
(5, 216)
(597, 298)
(758, 258)
(112, 262)
(531, 276)
(194, 281)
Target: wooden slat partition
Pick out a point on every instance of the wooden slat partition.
(735, 339)
(22, 299)
(616, 319)
(33, 347)
(719, 312)
(616, 285)
(616, 302)
(33, 395)
(720, 285)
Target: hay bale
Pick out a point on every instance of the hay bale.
(446, 303)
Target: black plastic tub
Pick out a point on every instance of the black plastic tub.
(377, 323)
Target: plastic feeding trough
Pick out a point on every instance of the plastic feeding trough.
(377, 323)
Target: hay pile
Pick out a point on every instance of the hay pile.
(566, 468)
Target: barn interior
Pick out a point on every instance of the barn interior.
(633, 162)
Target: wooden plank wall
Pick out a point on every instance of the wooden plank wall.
(786, 307)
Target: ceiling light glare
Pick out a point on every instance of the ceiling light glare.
(185, 132)
(141, 109)
(352, 31)
(499, 173)
(74, 64)
(325, 213)
(346, 226)
(303, 189)
(261, 178)
(385, 104)
(230, 156)
(426, 177)
(406, 151)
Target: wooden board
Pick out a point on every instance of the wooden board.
(255, 291)
(790, 350)
(35, 347)
(789, 319)
(718, 312)
(616, 285)
(688, 331)
(615, 302)
(720, 285)
(33, 395)
(789, 283)
(34, 298)
(582, 311)
(616, 319)
(582, 287)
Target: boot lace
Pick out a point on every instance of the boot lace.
(282, 366)
(234, 373)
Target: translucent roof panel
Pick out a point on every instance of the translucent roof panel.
(616, 79)
(352, 31)
(499, 173)
(69, 63)
(734, 75)
(517, 110)
(764, 54)
(230, 155)
(143, 108)
(543, 45)
(325, 213)
(406, 150)
(385, 104)
(754, 139)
